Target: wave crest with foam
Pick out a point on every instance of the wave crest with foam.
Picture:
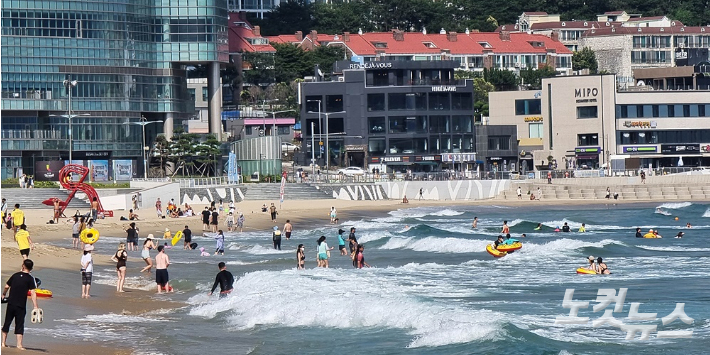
(675, 205)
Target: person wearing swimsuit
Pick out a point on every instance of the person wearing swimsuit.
(145, 253)
(601, 267)
(301, 257)
(505, 230)
(120, 259)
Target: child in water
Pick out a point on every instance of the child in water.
(203, 252)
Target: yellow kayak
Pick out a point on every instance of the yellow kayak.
(584, 270)
(510, 247)
(496, 253)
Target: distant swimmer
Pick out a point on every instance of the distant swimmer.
(638, 233)
(557, 229)
(592, 266)
(224, 279)
(582, 229)
(601, 267)
(680, 235)
(506, 229)
(523, 235)
(539, 226)
(475, 222)
(687, 225)
(565, 228)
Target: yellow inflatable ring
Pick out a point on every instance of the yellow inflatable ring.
(496, 253)
(510, 247)
(84, 236)
(584, 270)
(41, 292)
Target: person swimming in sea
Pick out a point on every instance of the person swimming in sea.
(509, 240)
(601, 267)
(498, 241)
(539, 226)
(506, 229)
(679, 235)
(583, 228)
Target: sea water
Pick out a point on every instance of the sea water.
(432, 289)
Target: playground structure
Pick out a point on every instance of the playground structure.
(65, 179)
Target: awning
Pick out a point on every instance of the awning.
(528, 142)
(587, 157)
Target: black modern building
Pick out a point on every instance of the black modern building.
(398, 115)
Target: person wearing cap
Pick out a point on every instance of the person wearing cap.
(145, 253)
(498, 241)
(341, 242)
(167, 234)
(276, 237)
(87, 269)
(679, 235)
(592, 266)
(601, 267)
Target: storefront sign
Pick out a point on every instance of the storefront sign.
(533, 119)
(371, 65)
(586, 95)
(48, 170)
(355, 148)
(640, 124)
(587, 150)
(683, 148)
(428, 158)
(635, 149)
(89, 155)
(459, 157)
(391, 159)
(495, 158)
(443, 88)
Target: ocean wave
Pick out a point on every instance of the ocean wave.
(676, 249)
(675, 205)
(131, 283)
(371, 304)
(558, 246)
(707, 213)
(446, 212)
(437, 245)
(258, 249)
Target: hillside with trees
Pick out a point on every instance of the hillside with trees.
(338, 16)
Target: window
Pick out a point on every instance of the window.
(191, 92)
(461, 101)
(439, 124)
(247, 130)
(334, 103)
(376, 125)
(283, 130)
(403, 124)
(587, 112)
(376, 146)
(528, 107)
(205, 94)
(498, 143)
(397, 101)
(312, 103)
(375, 102)
(439, 101)
(587, 139)
(535, 130)
(407, 145)
(410, 101)
(462, 124)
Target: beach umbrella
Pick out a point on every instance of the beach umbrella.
(680, 161)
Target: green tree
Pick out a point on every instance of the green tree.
(261, 68)
(533, 77)
(182, 151)
(325, 57)
(207, 154)
(501, 79)
(162, 150)
(290, 62)
(287, 18)
(481, 88)
(585, 59)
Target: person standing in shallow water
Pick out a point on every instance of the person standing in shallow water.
(301, 257)
(288, 228)
(162, 261)
(224, 279)
(19, 284)
(273, 212)
(506, 229)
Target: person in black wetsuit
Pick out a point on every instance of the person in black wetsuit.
(498, 241)
(638, 233)
(224, 279)
(187, 234)
(353, 241)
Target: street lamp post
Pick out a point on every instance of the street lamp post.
(273, 124)
(320, 125)
(313, 147)
(327, 146)
(69, 84)
(144, 122)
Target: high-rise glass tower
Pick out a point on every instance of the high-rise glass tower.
(128, 58)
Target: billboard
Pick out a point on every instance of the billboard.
(123, 170)
(48, 170)
(99, 170)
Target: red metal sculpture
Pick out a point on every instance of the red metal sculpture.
(65, 179)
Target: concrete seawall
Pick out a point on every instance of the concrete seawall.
(454, 190)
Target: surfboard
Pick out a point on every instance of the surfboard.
(176, 238)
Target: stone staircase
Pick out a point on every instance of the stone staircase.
(626, 192)
(32, 198)
(271, 191)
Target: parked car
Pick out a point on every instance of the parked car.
(350, 171)
(289, 147)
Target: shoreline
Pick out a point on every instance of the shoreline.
(54, 260)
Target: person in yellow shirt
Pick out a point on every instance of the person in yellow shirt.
(18, 217)
(24, 242)
(582, 229)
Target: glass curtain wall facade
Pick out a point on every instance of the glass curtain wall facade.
(128, 57)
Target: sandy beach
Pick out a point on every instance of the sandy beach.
(64, 263)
